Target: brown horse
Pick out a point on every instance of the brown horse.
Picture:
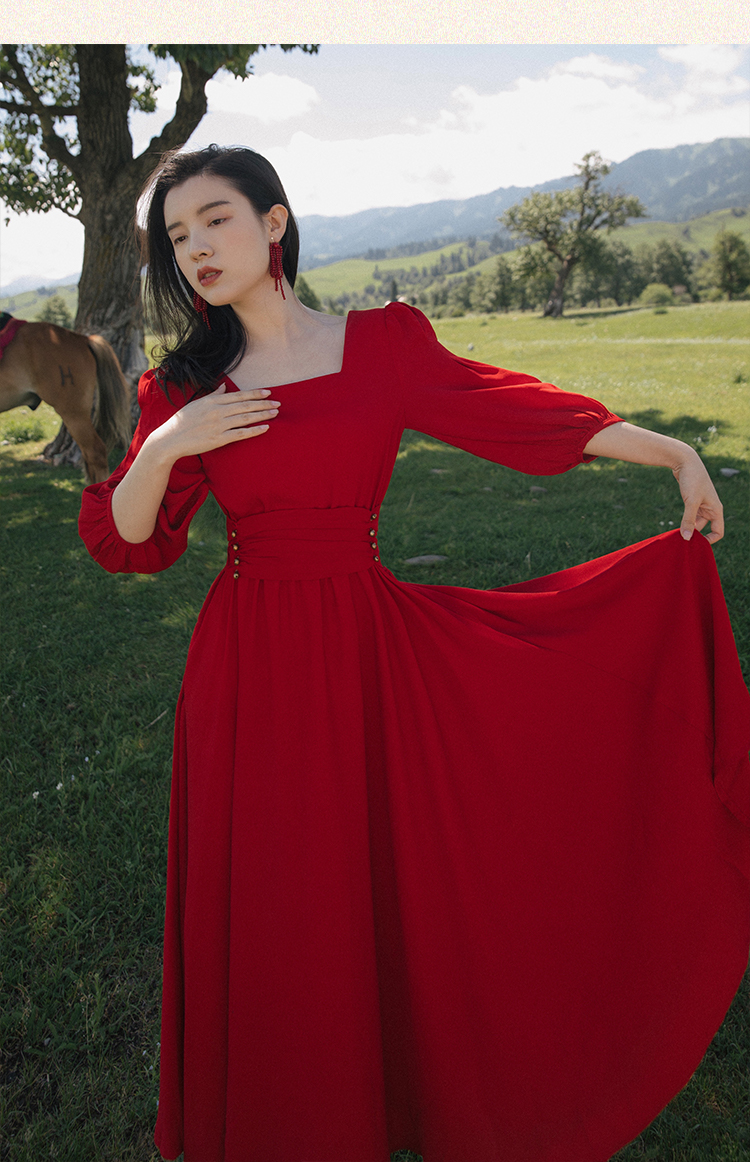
(80, 377)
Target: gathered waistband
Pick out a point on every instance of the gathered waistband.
(302, 543)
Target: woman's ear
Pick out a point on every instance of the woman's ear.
(277, 218)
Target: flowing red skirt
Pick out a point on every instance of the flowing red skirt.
(454, 871)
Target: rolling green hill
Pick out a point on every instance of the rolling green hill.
(352, 275)
(28, 304)
(696, 236)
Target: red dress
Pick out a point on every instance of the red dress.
(456, 871)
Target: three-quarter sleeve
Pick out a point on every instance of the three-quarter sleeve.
(504, 416)
(186, 491)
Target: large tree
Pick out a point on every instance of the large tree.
(66, 144)
(565, 222)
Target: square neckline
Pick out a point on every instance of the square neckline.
(311, 379)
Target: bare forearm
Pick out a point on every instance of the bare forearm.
(136, 500)
(625, 441)
(702, 505)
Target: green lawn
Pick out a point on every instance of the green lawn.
(92, 665)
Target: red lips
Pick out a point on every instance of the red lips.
(208, 275)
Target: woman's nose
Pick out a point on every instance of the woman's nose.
(199, 247)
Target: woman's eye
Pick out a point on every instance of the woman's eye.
(181, 238)
(216, 221)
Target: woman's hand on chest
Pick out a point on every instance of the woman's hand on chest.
(222, 417)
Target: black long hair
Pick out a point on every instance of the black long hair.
(192, 355)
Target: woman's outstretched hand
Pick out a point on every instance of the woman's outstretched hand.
(222, 417)
(702, 504)
(623, 441)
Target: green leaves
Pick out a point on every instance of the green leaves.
(30, 181)
(143, 91)
(731, 262)
(235, 58)
(40, 105)
(50, 69)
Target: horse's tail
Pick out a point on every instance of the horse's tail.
(111, 414)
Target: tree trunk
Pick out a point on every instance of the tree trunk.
(109, 294)
(554, 307)
(63, 450)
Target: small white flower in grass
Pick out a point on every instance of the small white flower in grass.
(59, 787)
(712, 429)
(34, 794)
(86, 759)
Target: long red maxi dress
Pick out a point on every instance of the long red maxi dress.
(462, 872)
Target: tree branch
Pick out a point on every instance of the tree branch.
(191, 108)
(55, 110)
(53, 144)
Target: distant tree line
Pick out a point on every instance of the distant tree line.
(612, 273)
(567, 254)
(498, 242)
(391, 282)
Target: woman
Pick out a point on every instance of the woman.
(453, 871)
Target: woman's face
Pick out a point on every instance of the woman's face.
(220, 242)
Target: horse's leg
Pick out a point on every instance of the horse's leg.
(94, 452)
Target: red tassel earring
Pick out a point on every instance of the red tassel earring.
(201, 306)
(277, 268)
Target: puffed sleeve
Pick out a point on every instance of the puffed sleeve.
(186, 491)
(504, 416)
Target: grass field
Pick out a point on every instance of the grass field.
(92, 665)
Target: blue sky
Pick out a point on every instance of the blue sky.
(392, 125)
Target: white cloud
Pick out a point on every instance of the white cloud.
(595, 65)
(270, 97)
(528, 133)
(718, 59)
(711, 70)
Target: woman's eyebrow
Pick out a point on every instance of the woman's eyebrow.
(202, 210)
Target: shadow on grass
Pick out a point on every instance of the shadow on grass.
(684, 427)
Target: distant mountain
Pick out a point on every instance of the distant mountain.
(32, 282)
(689, 180)
(674, 184)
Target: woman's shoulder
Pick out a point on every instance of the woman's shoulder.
(157, 391)
(400, 320)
